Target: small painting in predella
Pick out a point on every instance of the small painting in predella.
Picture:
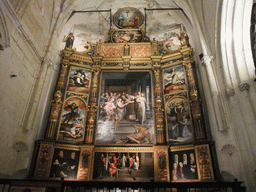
(179, 120)
(72, 121)
(79, 80)
(125, 112)
(174, 79)
(65, 164)
(122, 166)
(128, 17)
(183, 165)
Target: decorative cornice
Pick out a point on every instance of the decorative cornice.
(244, 86)
(230, 92)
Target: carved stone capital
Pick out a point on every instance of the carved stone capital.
(244, 86)
(230, 92)
(207, 59)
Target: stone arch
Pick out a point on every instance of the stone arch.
(4, 34)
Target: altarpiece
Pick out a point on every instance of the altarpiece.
(125, 110)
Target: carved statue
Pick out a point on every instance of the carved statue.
(69, 40)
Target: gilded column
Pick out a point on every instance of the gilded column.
(56, 102)
(159, 103)
(93, 105)
(195, 103)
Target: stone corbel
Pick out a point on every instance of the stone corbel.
(206, 60)
(230, 92)
(244, 86)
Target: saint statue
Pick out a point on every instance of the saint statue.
(69, 40)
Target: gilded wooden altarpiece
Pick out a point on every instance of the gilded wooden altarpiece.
(84, 122)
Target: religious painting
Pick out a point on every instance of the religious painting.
(79, 80)
(125, 115)
(204, 162)
(178, 120)
(172, 41)
(128, 17)
(123, 166)
(183, 164)
(65, 163)
(174, 79)
(72, 121)
(127, 36)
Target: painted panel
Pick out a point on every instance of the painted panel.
(79, 80)
(65, 164)
(123, 166)
(128, 17)
(183, 165)
(72, 122)
(125, 109)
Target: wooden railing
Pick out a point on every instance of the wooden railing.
(96, 186)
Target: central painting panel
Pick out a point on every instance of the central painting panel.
(125, 115)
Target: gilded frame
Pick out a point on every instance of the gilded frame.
(122, 18)
(127, 35)
(180, 172)
(177, 73)
(178, 119)
(202, 157)
(65, 171)
(131, 151)
(68, 129)
(80, 79)
(152, 140)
